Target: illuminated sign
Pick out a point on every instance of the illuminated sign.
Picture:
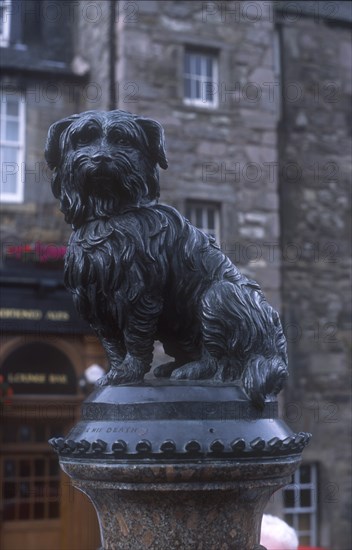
(39, 368)
(30, 309)
(33, 314)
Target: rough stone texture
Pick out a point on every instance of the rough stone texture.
(316, 216)
(189, 505)
(92, 43)
(38, 218)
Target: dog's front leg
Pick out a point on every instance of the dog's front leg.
(115, 350)
(139, 336)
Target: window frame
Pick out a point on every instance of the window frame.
(5, 9)
(32, 490)
(18, 145)
(190, 207)
(202, 78)
(297, 510)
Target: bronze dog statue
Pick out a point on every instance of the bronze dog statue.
(139, 271)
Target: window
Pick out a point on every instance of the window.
(5, 11)
(12, 147)
(29, 470)
(205, 216)
(200, 78)
(300, 504)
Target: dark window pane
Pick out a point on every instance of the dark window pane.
(304, 473)
(211, 219)
(197, 92)
(187, 63)
(39, 510)
(187, 88)
(54, 468)
(54, 510)
(24, 489)
(25, 434)
(304, 522)
(304, 541)
(199, 217)
(12, 106)
(209, 66)
(54, 489)
(9, 511)
(25, 468)
(9, 490)
(289, 499)
(39, 467)
(306, 498)
(24, 510)
(9, 434)
(197, 64)
(39, 489)
(40, 433)
(289, 519)
(10, 468)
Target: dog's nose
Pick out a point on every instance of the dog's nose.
(100, 157)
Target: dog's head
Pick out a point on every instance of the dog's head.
(104, 162)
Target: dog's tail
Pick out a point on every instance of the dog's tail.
(238, 323)
(264, 377)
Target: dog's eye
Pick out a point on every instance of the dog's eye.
(118, 139)
(122, 141)
(83, 140)
(86, 136)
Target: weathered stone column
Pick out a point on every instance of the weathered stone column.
(173, 465)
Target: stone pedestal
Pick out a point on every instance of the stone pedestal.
(192, 505)
(179, 466)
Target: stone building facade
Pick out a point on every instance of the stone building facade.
(315, 209)
(255, 101)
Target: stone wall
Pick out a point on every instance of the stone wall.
(92, 50)
(47, 99)
(314, 175)
(226, 155)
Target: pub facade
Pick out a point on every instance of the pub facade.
(45, 348)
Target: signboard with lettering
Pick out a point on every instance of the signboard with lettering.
(28, 309)
(39, 368)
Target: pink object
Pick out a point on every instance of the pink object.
(276, 534)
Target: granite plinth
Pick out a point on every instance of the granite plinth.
(191, 505)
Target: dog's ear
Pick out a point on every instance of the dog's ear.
(52, 147)
(156, 141)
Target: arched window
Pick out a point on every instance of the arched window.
(39, 368)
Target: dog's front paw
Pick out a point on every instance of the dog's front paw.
(129, 371)
(165, 370)
(197, 370)
(105, 380)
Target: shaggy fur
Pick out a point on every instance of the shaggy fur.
(138, 271)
